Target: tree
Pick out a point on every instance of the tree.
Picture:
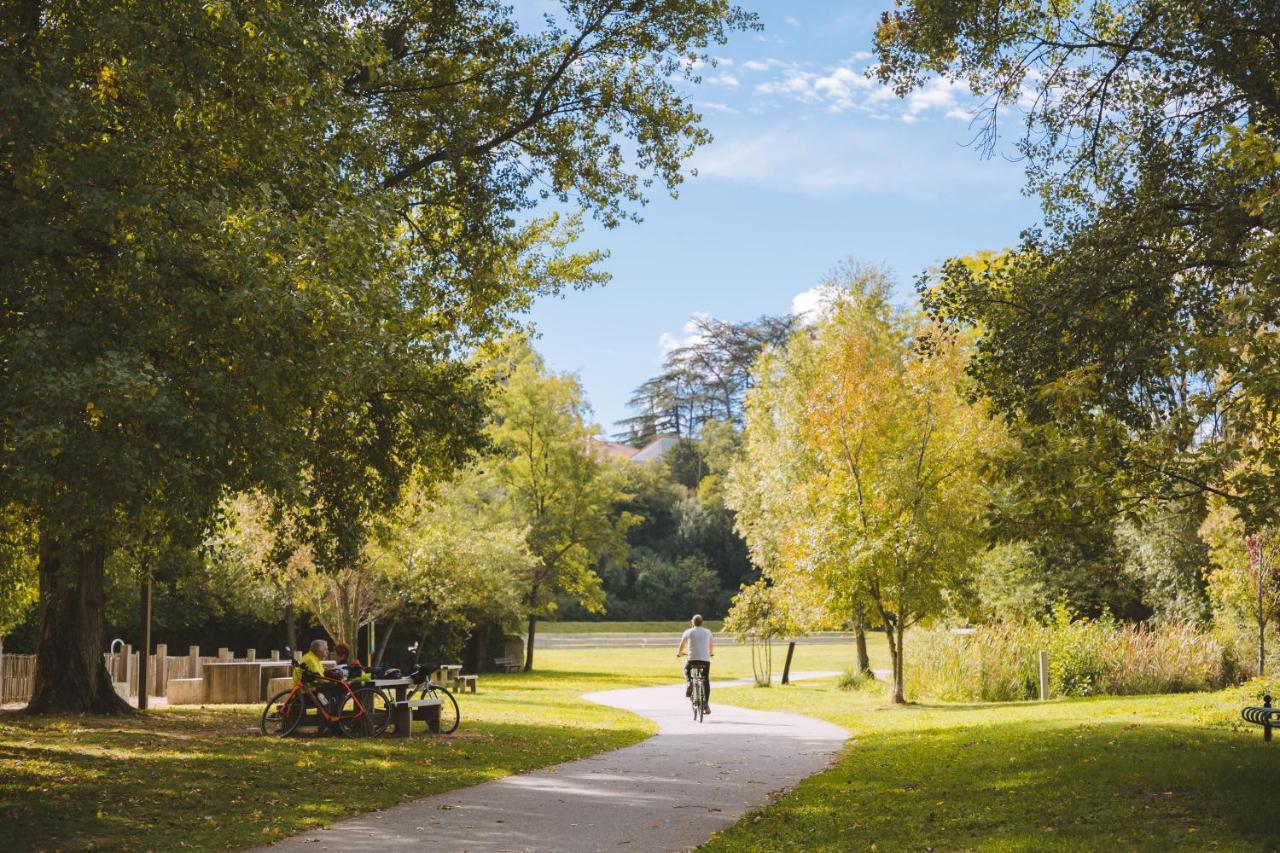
(552, 485)
(458, 564)
(224, 219)
(704, 379)
(861, 472)
(1245, 577)
(1138, 319)
(17, 569)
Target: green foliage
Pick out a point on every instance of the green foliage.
(547, 482)
(999, 662)
(1130, 337)
(860, 481)
(17, 569)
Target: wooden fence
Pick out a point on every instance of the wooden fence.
(17, 672)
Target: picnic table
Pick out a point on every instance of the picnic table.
(447, 674)
(404, 710)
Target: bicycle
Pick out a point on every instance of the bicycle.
(363, 711)
(698, 693)
(425, 689)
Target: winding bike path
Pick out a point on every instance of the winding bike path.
(667, 793)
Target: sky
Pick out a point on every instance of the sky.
(812, 163)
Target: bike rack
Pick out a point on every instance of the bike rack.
(1266, 716)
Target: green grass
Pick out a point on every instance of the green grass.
(1132, 773)
(205, 777)
(621, 627)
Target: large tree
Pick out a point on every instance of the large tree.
(862, 467)
(223, 219)
(1134, 329)
(552, 484)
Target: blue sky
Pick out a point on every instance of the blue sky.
(812, 163)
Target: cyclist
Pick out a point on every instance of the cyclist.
(313, 660)
(702, 649)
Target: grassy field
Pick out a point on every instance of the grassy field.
(205, 777)
(1133, 773)
(621, 627)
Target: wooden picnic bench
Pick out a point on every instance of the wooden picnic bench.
(507, 664)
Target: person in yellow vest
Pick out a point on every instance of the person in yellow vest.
(313, 660)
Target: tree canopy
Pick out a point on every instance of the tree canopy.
(251, 244)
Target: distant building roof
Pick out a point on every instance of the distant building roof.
(657, 448)
(610, 448)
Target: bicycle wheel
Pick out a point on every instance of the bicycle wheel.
(449, 715)
(372, 720)
(283, 713)
(698, 702)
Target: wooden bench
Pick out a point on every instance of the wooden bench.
(405, 711)
(507, 664)
(467, 683)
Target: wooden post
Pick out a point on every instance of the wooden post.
(1044, 675)
(162, 669)
(193, 658)
(128, 668)
(1, 670)
(144, 657)
(224, 654)
(275, 654)
(252, 654)
(786, 668)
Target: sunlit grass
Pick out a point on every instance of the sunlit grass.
(1131, 773)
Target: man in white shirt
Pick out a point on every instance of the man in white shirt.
(701, 647)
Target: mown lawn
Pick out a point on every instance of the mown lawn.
(620, 627)
(1134, 773)
(205, 778)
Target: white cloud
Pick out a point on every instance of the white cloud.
(716, 107)
(790, 21)
(722, 80)
(794, 83)
(765, 65)
(809, 305)
(814, 159)
(688, 335)
(936, 95)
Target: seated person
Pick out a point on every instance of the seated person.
(347, 666)
(313, 660)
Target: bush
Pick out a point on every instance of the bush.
(999, 662)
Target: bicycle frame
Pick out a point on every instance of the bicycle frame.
(301, 687)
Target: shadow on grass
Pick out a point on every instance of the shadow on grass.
(203, 778)
(1034, 785)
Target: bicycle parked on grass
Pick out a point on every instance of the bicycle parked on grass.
(360, 711)
(425, 689)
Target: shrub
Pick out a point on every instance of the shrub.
(999, 662)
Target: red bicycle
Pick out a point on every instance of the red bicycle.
(360, 711)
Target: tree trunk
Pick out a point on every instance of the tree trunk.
(895, 659)
(70, 675)
(860, 638)
(1262, 646)
(386, 641)
(898, 688)
(528, 646)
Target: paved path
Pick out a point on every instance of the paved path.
(667, 793)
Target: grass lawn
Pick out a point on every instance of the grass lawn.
(1133, 773)
(205, 778)
(621, 627)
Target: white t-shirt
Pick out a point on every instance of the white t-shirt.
(699, 643)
